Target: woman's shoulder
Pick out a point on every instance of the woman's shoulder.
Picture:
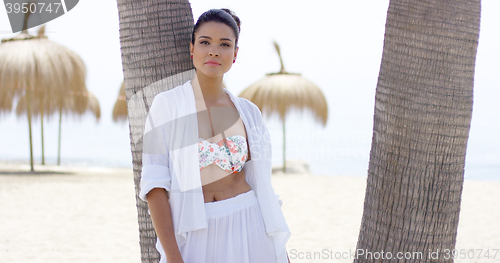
(167, 100)
(173, 97)
(174, 93)
(249, 105)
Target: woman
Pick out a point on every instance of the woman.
(206, 163)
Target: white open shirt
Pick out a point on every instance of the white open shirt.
(170, 161)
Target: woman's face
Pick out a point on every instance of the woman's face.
(214, 49)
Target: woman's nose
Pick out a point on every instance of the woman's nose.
(213, 53)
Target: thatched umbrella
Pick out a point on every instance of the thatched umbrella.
(43, 71)
(93, 105)
(91, 102)
(279, 92)
(18, 73)
(71, 96)
(39, 107)
(120, 108)
(17, 79)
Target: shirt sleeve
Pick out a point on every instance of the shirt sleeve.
(267, 139)
(155, 158)
(265, 134)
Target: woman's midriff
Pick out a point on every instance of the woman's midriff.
(226, 187)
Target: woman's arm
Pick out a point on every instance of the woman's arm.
(156, 182)
(161, 217)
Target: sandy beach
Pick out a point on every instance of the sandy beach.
(85, 214)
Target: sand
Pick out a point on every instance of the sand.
(89, 215)
(86, 216)
(324, 212)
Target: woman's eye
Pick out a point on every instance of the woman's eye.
(204, 42)
(225, 44)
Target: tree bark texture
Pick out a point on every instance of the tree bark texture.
(422, 116)
(154, 38)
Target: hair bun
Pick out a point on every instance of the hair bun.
(235, 17)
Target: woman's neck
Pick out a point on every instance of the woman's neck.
(211, 88)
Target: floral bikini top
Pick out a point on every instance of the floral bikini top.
(229, 154)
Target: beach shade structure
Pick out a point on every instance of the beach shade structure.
(50, 77)
(120, 109)
(39, 108)
(93, 105)
(282, 91)
(15, 81)
(9, 76)
(72, 96)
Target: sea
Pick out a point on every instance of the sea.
(341, 148)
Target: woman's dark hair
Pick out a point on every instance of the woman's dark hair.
(222, 15)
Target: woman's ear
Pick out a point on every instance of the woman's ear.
(236, 52)
(191, 47)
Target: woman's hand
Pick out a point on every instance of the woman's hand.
(161, 216)
(175, 260)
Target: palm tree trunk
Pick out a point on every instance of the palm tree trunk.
(59, 142)
(149, 54)
(423, 110)
(28, 107)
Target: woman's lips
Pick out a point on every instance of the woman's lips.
(212, 63)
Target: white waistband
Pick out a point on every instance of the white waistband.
(228, 206)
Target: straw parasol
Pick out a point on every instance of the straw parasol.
(10, 76)
(72, 95)
(120, 108)
(50, 77)
(40, 107)
(93, 105)
(16, 80)
(279, 92)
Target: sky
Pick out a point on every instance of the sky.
(335, 44)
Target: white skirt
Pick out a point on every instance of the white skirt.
(235, 233)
